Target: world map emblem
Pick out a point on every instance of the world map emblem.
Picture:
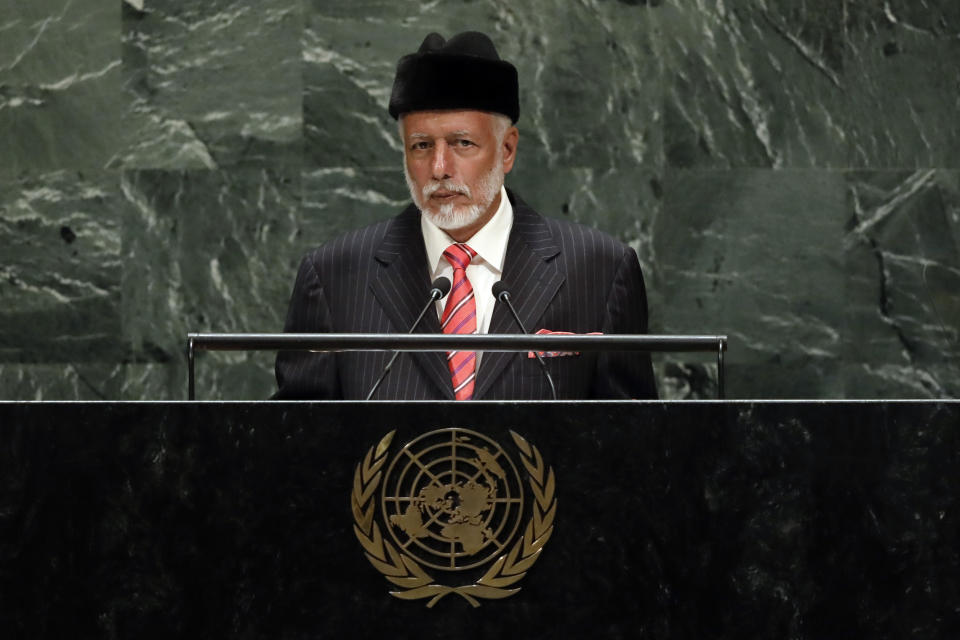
(450, 502)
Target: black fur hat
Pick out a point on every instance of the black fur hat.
(463, 72)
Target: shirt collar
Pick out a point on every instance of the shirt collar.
(490, 242)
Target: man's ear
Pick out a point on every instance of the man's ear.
(510, 140)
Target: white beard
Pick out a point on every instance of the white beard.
(450, 216)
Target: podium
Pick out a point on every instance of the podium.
(669, 519)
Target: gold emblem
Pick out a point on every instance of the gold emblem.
(452, 501)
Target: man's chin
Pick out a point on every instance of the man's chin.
(453, 220)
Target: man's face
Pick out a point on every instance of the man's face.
(454, 162)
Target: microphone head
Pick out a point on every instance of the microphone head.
(441, 287)
(499, 289)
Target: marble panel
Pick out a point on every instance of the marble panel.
(756, 255)
(753, 84)
(219, 376)
(794, 375)
(902, 74)
(74, 381)
(60, 267)
(339, 200)
(205, 251)
(590, 83)
(156, 381)
(214, 83)
(811, 84)
(687, 377)
(59, 84)
(903, 286)
(231, 376)
(623, 203)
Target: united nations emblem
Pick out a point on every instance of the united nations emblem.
(451, 501)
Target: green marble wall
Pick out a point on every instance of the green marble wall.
(789, 173)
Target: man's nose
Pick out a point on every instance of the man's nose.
(442, 162)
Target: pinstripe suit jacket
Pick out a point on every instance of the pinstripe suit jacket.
(562, 277)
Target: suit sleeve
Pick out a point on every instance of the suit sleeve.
(625, 374)
(305, 374)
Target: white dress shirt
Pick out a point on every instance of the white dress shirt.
(484, 270)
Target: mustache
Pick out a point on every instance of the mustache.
(446, 185)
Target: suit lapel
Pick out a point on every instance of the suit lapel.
(401, 286)
(533, 281)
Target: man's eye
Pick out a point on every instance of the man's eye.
(464, 143)
(419, 145)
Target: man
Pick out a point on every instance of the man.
(457, 103)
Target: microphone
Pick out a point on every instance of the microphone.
(439, 288)
(501, 293)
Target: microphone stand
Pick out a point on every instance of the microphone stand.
(441, 287)
(501, 293)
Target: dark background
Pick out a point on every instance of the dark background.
(789, 173)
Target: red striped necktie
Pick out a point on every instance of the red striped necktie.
(460, 316)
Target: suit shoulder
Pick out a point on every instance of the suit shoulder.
(576, 238)
(350, 249)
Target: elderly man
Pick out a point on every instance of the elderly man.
(457, 102)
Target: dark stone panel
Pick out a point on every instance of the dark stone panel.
(222, 376)
(813, 84)
(339, 200)
(903, 81)
(343, 125)
(219, 376)
(206, 251)
(213, 84)
(608, 90)
(590, 95)
(756, 255)
(903, 284)
(753, 84)
(624, 203)
(591, 83)
(687, 377)
(674, 520)
(61, 267)
(74, 381)
(59, 84)
(795, 374)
